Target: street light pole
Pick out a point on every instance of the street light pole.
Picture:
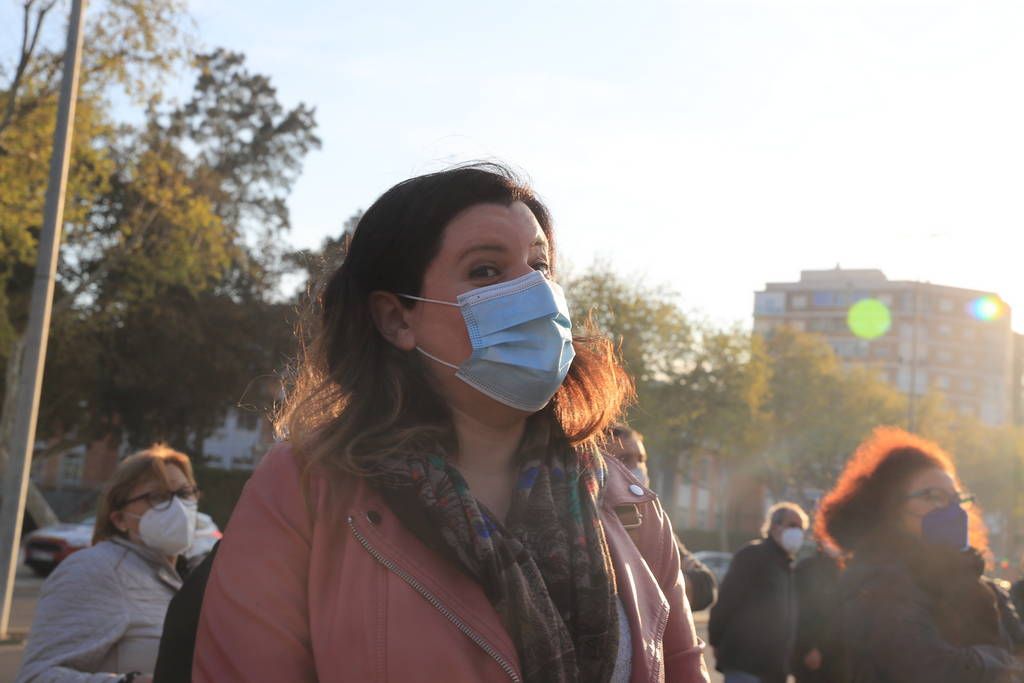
(912, 398)
(36, 334)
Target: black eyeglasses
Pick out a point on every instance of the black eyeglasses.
(942, 497)
(161, 500)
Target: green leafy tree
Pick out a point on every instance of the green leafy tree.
(176, 274)
(820, 411)
(698, 388)
(132, 43)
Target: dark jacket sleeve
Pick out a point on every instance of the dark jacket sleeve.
(1017, 595)
(816, 579)
(700, 581)
(178, 642)
(889, 628)
(1008, 616)
(732, 594)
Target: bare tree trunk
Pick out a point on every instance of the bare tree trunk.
(723, 527)
(36, 505)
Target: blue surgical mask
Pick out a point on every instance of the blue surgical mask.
(947, 526)
(522, 340)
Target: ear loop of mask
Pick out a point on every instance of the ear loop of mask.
(430, 301)
(420, 348)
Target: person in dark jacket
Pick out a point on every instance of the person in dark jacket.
(912, 604)
(817, 584)
(1009, 616)
(178, 640)
(627, 445)
(753, 625)
(1017, 596)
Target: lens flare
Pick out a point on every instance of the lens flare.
(987, 308)
(869, 319)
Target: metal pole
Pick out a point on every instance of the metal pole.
(26, 411)
(912, 398)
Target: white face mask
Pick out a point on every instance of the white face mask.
(171, 530)
(792, 540)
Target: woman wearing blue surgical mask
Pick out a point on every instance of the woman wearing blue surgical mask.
(101, 612)
(913, 604)
(440, 510)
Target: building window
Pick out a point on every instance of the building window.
(72, 467)
(798, 301)
(248, 420)
(885, 299)
(946, 305)
(967, 384)
(769, 303)
(945, 330)
(968, 333)
(824, 299)
(945, 356)
(942, 382)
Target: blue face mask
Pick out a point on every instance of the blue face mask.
(522, 340)
(947, 526)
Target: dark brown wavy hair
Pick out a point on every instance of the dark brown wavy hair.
(354, 397)
(863, 505)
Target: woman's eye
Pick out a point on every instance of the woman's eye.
(483, 272)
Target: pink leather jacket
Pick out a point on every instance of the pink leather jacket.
(337, 590)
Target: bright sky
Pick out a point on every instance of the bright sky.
(713, 145)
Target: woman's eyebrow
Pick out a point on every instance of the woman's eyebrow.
(482, 247)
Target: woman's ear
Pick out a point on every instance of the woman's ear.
(117, 519)
(392, 320)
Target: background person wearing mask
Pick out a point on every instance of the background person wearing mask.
(101, 612)
(753, 624)
(627, 445)
(913, 607)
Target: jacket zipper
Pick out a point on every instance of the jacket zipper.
(505, 665)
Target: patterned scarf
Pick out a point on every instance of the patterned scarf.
(546, 570)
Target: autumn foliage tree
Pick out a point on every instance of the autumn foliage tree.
(168, 302)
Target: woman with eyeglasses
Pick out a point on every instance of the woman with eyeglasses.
(913, 605)
(101, 612)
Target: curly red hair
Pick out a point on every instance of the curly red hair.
(868, 492)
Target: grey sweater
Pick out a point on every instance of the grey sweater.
(100, 615)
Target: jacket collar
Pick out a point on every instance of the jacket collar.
(622, 488)
(156, 561)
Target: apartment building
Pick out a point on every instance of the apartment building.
(957, 341)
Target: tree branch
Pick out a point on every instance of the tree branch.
(28, 48)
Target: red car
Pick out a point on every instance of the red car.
(47, 547)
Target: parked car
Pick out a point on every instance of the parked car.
(717, 562)
(47, 547)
